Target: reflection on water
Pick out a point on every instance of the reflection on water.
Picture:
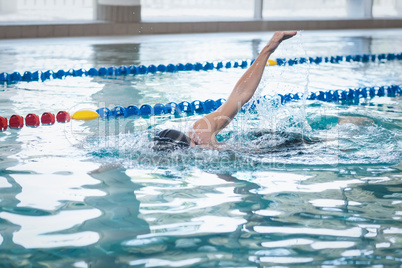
(292, 187)
(266, 218)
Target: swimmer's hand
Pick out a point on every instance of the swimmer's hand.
(277, 39)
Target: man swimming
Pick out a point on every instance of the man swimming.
(203, 132)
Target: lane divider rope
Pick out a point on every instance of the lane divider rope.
(364, 58)
(351, 96)
(32, 120)
(28, 76)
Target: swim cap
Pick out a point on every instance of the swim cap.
(170, 140)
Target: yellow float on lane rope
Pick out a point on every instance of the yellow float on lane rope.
(85, 115)
(271, 63)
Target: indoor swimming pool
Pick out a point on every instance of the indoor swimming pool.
(292, 188)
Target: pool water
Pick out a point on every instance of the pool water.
(291, 188)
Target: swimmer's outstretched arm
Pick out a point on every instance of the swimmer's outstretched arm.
(204, 130)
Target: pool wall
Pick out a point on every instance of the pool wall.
(12, 30)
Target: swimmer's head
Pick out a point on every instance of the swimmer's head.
(170, 140)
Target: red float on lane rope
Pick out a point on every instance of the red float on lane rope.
(3, 123)
(16, 121)
(48, 119)
(32, 120)
(63, 117)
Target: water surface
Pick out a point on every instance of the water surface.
(292, 188)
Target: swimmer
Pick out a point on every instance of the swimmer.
(204, 131)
